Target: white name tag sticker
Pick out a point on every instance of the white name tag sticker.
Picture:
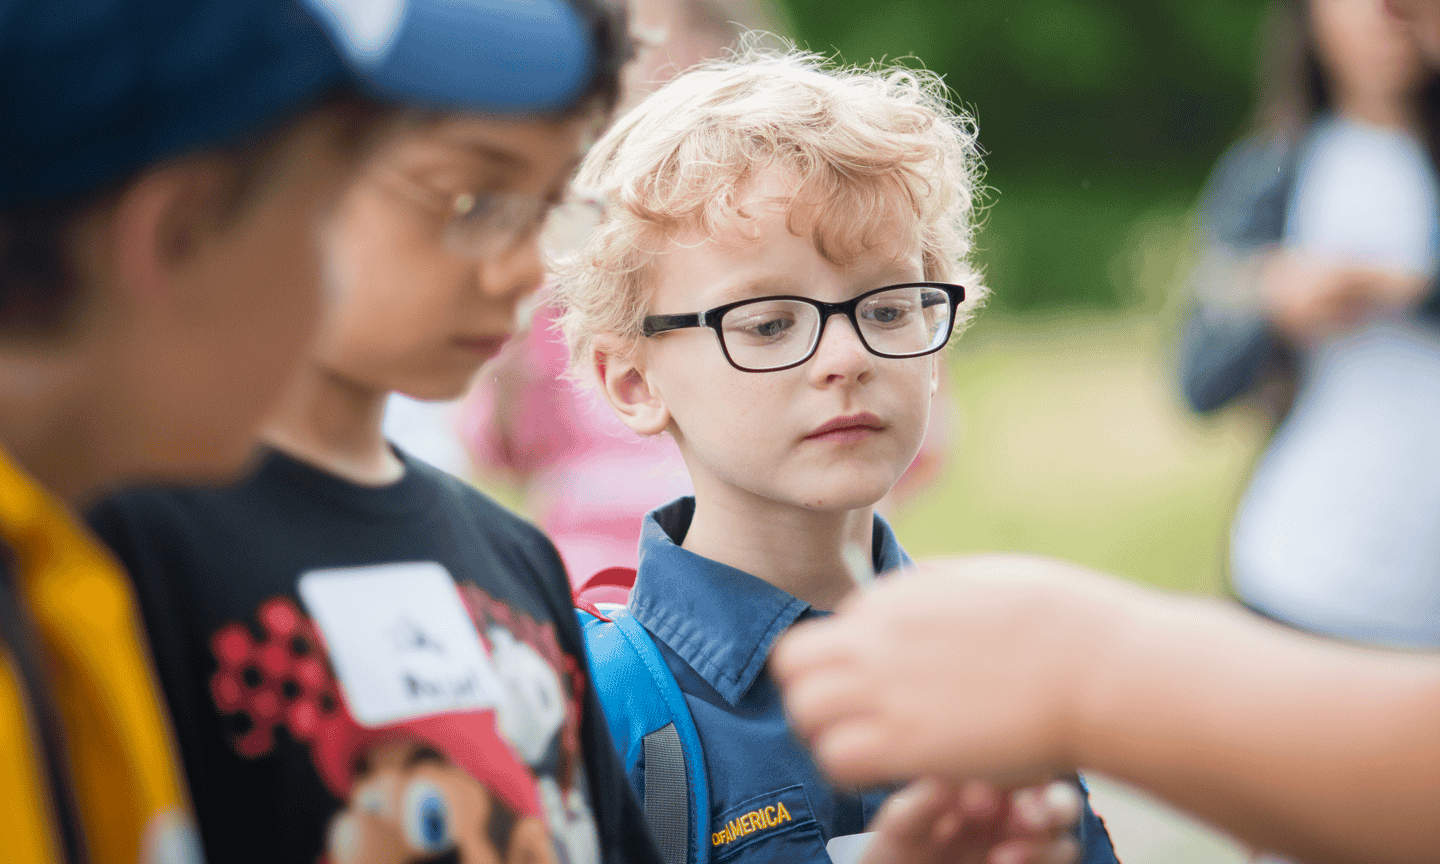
(401, 642)
(848, 849)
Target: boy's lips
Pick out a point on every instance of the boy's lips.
(851, 427)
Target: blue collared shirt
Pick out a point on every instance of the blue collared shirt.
(715, 626)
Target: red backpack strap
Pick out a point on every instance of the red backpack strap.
(611, 585)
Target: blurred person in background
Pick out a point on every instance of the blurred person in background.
(497, 436)
(672, 35)
(1318, 286)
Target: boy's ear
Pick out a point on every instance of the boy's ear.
(622, 381)
(160, 222)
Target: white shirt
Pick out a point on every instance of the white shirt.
(1339, 531)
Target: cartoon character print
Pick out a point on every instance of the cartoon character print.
(452, 787)
(541, 719)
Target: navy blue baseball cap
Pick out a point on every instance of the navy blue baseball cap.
(91, 90)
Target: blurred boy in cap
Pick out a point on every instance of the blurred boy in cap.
(165, 173)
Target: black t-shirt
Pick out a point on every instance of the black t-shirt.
(328, 705)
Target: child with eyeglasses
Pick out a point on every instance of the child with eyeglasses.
(783, 257)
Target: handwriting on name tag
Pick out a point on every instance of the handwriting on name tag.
(401, 642)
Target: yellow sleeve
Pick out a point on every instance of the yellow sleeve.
(25, 822)
(125, 773)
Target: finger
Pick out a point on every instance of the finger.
(809, 646)
(1064, 850)
(908, 816)
(981, 800)
(1064, 802)
(1028, 817)
(858, 752)
(906, 828)
(823, 698)
(1045, 810)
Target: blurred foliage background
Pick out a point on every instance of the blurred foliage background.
(1093, 113)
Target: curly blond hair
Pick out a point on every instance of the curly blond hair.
(863, 148)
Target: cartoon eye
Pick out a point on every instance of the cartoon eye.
(427, 817)
(371, 799)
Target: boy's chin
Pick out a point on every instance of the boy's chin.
(437, 389)
(840, 497)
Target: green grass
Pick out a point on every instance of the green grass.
(1071, 440)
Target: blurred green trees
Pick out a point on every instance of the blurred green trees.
(1100, 119)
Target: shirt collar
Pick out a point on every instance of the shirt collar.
(720, 620)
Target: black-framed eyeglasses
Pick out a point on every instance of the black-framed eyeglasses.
(768, 334)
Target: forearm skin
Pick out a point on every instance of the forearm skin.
(1323, 752)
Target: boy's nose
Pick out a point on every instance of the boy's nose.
(841, 355)
(512, 272)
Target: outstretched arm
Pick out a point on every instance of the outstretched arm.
(1014, 668)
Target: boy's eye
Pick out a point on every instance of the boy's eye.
(479, 207)
(428, 824)
(888, 314)
(773, 326)
(766, 326)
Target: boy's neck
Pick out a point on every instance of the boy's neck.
(797, 550)
(1378, 111)
(44, 431)
(335, 424)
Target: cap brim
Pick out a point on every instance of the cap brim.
(485, 55)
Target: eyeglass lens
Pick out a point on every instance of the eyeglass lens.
(495, 222)
(772, 333)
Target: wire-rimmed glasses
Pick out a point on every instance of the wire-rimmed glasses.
(484, 223)
(768, 334)
(479, 224)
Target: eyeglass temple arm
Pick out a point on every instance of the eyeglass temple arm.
(661, 323)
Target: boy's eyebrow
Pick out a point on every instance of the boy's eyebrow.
(501, 156)
(757, 287)
(762, 286)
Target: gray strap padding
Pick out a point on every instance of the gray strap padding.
(667, 794)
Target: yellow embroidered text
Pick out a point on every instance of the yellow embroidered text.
(749, 823)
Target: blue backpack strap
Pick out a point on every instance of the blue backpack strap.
(648, 718)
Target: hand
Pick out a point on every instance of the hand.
(966, 668)
(1309, 296)
(933, 821)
